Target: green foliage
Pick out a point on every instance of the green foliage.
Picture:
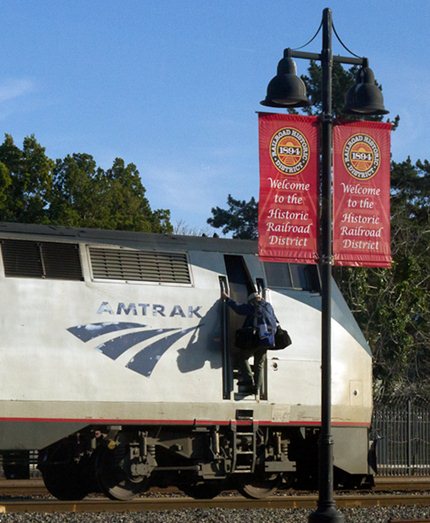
(73, 191)
(26, 181)
(240, 218)
(393, 306)
(342, 80)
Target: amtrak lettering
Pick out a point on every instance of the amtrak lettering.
(148, 309)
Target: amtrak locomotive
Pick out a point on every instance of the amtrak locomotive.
(117, 366)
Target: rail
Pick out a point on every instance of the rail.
(181, 503)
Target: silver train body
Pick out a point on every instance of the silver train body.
(116, 364)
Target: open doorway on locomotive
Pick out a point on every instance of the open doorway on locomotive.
(239, 285)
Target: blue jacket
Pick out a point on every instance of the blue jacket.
(262, 316)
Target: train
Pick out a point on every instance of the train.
(118, 366)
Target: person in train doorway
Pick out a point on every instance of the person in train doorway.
(259, 314)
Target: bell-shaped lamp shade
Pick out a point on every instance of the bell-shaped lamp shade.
(286, 89)
(365, 97)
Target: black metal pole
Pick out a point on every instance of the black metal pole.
(326, 511)
(326, 508)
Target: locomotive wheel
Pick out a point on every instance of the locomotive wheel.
(61, 474)
(256, 488)
(201, 490)
(112, 476)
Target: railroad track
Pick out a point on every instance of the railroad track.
(402, 483)
(181, 503)
(35, 487)
(16, 496)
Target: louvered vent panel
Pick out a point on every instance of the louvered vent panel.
(160, 267)
(22, 258)
(61, 261)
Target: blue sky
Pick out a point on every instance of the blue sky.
(174, 86)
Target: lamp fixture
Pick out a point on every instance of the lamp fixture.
(365, 97)
(286, 89)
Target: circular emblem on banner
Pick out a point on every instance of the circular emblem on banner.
(361, 156)
(289, 151)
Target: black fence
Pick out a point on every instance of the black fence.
(402, 431)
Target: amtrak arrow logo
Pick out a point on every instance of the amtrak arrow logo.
(122, 339)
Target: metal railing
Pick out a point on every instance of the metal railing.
(403, 433)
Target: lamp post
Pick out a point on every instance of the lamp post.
(287, 90)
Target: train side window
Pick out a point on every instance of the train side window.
(278, 275)
(50, 260)
(292, 276)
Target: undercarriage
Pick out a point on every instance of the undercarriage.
(201, 460)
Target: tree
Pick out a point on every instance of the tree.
(342, 80)
(73, 191)
(393, 306)
(127, 207)
(75, 198)
(26, 180)
(240, 218)
(5, 183)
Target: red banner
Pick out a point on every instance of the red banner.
(361, 194)
(288, 203)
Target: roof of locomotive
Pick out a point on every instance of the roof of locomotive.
(131, 239)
